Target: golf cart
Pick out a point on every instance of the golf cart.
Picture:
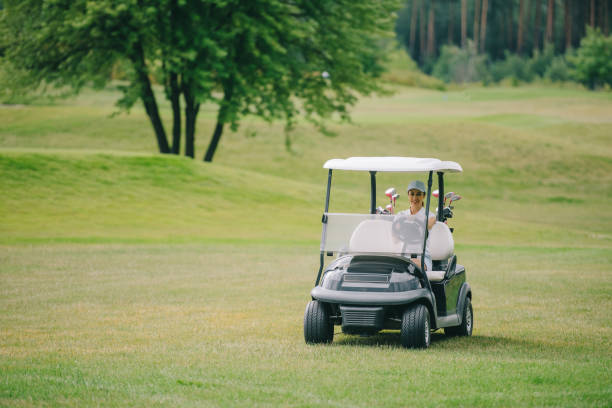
(374, 283)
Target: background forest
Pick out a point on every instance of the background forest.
(489, 40)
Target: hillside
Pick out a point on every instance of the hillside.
(537, 165)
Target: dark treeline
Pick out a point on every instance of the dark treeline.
(497, 26)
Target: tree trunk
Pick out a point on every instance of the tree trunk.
(567, 23)
(519, 36)
(228, 90)
(510, 27)
(175, 95)
(413, 23)
(451, 21)
(602, 14)
(463, 23)
(476, 22)
(592, 19)
(431, 31)
(536, 29)
(212, 147)
(483, 24)
(422, 32)
(175, 91)
(550, 13)
(191, 112)
(606, 18)
(528, 24)
(148, 98)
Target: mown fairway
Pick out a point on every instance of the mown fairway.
(132, 279)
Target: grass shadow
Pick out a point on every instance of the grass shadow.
(476, 344)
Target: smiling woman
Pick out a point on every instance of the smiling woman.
(416, 194)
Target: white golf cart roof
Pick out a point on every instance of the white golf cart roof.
(393, 164)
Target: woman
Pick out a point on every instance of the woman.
(416, 195)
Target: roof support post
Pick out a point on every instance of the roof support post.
(329, 174)
(372, 192)
(324, 221)
(429, 181)
(440, 196)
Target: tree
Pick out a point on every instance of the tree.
(593, 59)
(422, 35)
(451, 22)
(256, 57)
(519, 38)
(476, 22)
(550, 19)
(431, 30)
(413, 24)
(483, 24)
(463, 23)
(537, 34)
(567, 23)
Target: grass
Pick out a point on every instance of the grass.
(219, 325)
(133, 279)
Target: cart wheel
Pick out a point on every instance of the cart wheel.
(318, 328)
(467, 322)
(415, 327)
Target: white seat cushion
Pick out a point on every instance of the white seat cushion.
(441, 243)
(435, 276)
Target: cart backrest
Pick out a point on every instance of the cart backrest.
(441, 243)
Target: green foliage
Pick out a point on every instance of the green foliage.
(541, 61)
(593, 60)
(558, 70)
(402, 70)
(514, 67)
(460, 64)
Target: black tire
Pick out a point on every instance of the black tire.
(415, 331)
(318, 327)
(467, 322)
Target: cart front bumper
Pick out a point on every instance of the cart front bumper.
(368, 298)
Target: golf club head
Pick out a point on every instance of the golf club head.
(436, 193)
(455, 197)
(390, 192)
(447, 196)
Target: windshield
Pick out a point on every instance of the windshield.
(399, 234)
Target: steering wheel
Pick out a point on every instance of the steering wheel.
(403, 228)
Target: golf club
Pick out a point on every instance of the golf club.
(447, 196)
(454, 197)
(395, 197)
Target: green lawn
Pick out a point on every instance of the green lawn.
(133, 279)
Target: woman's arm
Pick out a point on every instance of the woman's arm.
(432, 221)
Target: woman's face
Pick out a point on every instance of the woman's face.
(416, 198)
